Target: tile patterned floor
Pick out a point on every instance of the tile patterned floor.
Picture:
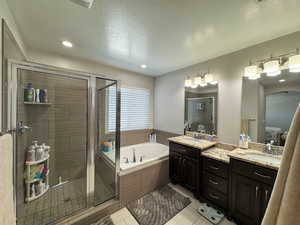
(56, 203)
(63, 201)
(188, 216)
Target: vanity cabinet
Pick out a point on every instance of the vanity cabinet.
(215, 182)
(184, 166)
(251, 187)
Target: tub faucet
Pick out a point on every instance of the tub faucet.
(134, 157)
(126, 159)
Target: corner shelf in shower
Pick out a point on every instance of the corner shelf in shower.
(29, 199)
(38, 103)
(30, 182)
(37, 162)
(36, 179)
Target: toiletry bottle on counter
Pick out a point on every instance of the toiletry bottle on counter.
(243, 142)
(29, 93)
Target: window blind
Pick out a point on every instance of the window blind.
(136, 111)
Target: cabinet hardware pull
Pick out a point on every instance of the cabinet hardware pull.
(266, 196)
(256, 191)
(262, 176)
(213, 196)
(214, 167)
(213, 182)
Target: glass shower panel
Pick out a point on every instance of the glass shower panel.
(51, 146)
(105, 153)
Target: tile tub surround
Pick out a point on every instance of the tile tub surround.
(163, 136)
(241, 154)
(184, 140)
(142, 180)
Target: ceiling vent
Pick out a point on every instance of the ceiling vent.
(84, 3)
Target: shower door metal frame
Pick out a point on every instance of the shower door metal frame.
(14, 66)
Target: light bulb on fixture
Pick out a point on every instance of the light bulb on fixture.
(254, 77)
(272, 68)
(250, 71)
(209, 78)
(203, 83)
(214, 82)
(294, 64)
(188, 82)
(197, 80)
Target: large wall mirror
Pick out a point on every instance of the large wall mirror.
(268, 107)
(201, 109)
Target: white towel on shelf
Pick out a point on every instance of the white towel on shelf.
(7, 215)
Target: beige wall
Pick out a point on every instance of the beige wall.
(169, 88)
(6, 14)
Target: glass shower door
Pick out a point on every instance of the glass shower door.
(51, 145)
(106, 142)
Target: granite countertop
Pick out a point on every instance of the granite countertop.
(241, 154)
(192, 142)
(217, 154)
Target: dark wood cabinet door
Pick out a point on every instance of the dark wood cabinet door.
(175, 161)
(246, 196)
(265, 198)
(189, 173)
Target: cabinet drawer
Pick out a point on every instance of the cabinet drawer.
(215, 167)
(185, 150)
(215, 197)
(255, 172)
(218, 183)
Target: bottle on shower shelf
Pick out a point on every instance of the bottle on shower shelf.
(29, 93)
(37, 95)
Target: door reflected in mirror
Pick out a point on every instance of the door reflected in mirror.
(201, 109)
(268, 107)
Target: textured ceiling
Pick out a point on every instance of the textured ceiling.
(164, 34)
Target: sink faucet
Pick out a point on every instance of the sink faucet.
(270, 148)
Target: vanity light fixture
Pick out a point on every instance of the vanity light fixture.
(272, 68)
(67, 44)
(143, 66)
(251, 71)
(215, 82)
(209, 78)
(188, 82)
(254, 77)
(294, 63)
(198, 80)
(203, 83)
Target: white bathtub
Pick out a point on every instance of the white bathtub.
(148, 151)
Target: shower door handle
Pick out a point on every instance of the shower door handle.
(21, 128)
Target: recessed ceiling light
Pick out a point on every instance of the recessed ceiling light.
(67, 44)
(144, 66)
(282, 80)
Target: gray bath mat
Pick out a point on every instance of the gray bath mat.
(211, 214)
(104, 221)
(158, 207)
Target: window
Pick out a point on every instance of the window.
(136, 111)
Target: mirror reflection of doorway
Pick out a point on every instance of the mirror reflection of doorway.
(280, 109)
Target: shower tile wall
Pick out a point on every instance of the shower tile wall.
(62, 125)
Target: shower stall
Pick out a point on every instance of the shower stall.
(62, 120)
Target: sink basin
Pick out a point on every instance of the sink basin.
(264, 158)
